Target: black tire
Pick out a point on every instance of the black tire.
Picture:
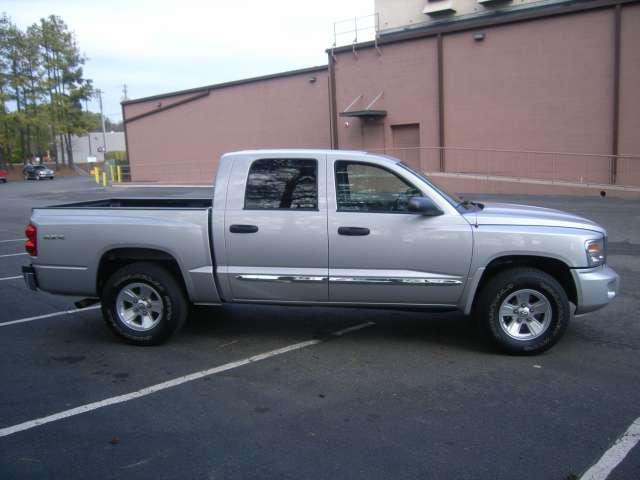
(500, 288)
(170, 293)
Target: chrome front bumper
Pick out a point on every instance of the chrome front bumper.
(29, 276)
(596, 287)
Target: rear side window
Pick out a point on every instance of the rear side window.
(275, 184)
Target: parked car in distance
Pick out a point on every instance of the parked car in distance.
(3, 176)
(38, 172)
(323, 227)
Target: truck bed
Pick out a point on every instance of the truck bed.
(76, 239)
(161, 203)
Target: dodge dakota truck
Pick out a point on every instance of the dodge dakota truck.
(323, 227)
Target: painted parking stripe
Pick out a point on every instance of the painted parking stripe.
(49, 315)
(615, 455)
(355, 328)
(11, 278)
(13, 255)
(13, 240)
(160, 386)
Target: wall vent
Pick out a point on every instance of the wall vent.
(439, 7)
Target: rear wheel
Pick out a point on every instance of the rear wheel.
(144, 304)
(525, 311)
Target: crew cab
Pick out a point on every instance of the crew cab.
(323, 227)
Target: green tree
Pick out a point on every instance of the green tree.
(64, 82)
(114, 126)
(42, 88)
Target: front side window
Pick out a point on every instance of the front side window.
(274, 184)
(362, 187)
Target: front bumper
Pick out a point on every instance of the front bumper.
(596, 287)
(29, 276)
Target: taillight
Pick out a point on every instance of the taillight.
(31, 245)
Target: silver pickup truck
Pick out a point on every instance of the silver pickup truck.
(323, 227)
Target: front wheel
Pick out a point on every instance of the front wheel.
(525, 310)
(144, 304)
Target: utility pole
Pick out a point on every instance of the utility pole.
(124, 92)
(86, 109)
(104, 133)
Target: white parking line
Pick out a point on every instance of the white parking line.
(615, 455)
(13, 255)
(161, 386)
(49, 315)
(11, 278)
(344, 331)
(13, 240)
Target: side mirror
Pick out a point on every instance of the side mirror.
(424, 206)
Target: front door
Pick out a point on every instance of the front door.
(379, 252)
(276, 230)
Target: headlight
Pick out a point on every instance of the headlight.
(596, 252)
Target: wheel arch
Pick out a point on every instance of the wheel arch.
(114, 259)
(558, 269)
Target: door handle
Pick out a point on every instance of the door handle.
(243, 228)
(355, 231)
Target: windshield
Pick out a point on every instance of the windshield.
(452, 198)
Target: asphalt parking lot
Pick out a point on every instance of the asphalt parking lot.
(402, 395)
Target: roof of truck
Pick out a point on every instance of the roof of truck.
(303, 151)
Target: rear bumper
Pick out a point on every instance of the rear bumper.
(596, 287)
(29, 276)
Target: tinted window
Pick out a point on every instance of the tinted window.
(363, 187)
(282, 184)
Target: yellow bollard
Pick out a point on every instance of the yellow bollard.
(96, 173)
(112, 172)
(119, 170)
(104, 179)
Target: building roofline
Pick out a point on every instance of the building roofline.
(486, 20)
(232, 83)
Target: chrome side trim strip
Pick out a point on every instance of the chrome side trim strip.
(282, 278)
(59, 267)
(430, 282)
(440, 282)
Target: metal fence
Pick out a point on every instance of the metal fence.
(474, 163)
(551, 167)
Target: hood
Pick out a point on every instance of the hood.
(514, 214)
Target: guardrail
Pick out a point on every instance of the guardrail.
(547, 166)
(481, 164)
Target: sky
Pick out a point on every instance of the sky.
(158, 46)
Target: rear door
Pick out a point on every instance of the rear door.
(379, 252)
(276, 229)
